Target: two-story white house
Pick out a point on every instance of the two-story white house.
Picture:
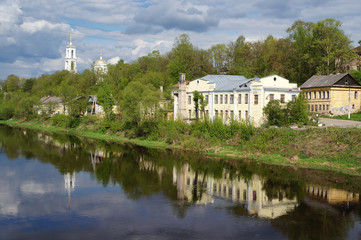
(232, 96)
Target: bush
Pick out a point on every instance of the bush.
(6, 111)
(61, 120)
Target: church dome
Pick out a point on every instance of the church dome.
(101, 61)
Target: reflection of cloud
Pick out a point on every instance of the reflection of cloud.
(8, 201)
(32, 187)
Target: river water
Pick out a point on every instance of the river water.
(62, 187)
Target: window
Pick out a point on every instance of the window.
(254, 196)
(312, 108)
(206, 98)
(356, 95)
(215, 99)
(207, 113)
(239, 115)
(216, 113)
(255, 99)
(239, 98)
(319, 94)
(246, 112)
(309, 95)
(282, 98)
(293, 98)
(353, 106)
(323, 95)
(226, 114)
(225, 99)
(189, 100)
(327, 107)
(246, 98)
(314, 95)
(316, 108)
(244, 195)
(221, 99)
(308, 107)
(323, 107)
(271, 97)
(327, 94)
(231, 99)
(232, 114)
(238, 194)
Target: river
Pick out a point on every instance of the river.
(55, 186)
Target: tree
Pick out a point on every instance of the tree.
(331, 45)
(12, 83)
(301, 34)
(219, 54)
(106, 100)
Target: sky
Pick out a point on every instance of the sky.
(34, 33)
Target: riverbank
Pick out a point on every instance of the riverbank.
(332, 149)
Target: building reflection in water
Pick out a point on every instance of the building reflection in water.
(69, 181)
(332, 199)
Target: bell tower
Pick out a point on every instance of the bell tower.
(70, 57)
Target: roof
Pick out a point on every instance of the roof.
(323, 80)
(358, 49)
(51, 99)
(226, 82)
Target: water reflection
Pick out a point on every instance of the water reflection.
(52, 176)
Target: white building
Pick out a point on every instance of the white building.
(232, 96)
(70, 57)
(100, 65)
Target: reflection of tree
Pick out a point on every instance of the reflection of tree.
(70, 154)
(308, 223)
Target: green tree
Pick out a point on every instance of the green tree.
(12, 83)
(106, 100)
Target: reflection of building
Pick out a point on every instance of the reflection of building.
(69, 180)
(332, 195)
(200, 188)
(237, 190)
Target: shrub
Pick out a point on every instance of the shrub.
(61, 120)
(6, 111)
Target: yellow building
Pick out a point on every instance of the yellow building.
(232, 96)
(332, 94)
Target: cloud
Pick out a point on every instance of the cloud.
(174, 15)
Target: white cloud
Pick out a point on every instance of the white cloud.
(32, 42)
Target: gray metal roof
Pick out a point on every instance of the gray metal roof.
(226, 83)
(322, 80)
(51, 99)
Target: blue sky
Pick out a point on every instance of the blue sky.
(33, 34)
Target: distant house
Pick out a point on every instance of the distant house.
(51, 105)
(95, 108)
(355, 64)
(330, 94)
(232, 96)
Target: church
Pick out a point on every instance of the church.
(99, 67)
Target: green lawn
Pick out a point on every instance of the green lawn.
(354, 117)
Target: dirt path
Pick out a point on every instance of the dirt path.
(339, 123)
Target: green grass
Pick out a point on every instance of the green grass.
(353, 117)
(337, 150)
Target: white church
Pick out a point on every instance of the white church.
(100, 65)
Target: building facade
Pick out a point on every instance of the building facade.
(70, 57)
(232, 96)
(332, 94)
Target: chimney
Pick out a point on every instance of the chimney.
(182, 78)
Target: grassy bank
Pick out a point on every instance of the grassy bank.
(334, 149)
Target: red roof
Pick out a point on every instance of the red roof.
(177, 85)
